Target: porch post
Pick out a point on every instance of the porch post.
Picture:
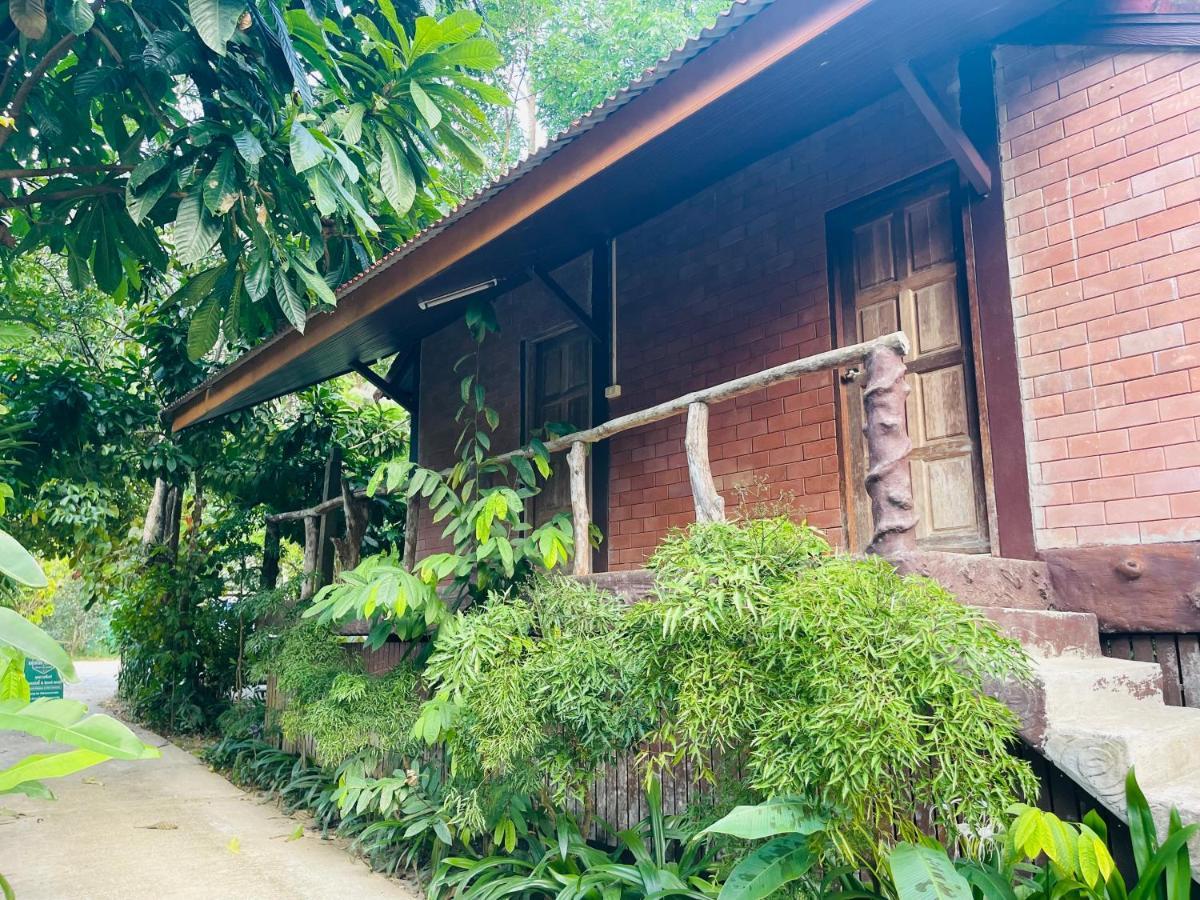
(577, 463)
(312, 547)
(710, 505)
(889, 479)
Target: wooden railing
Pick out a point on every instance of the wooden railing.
(888, 482)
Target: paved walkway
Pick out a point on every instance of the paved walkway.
(98, 839)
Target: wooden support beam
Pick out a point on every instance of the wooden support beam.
(577, 463)
(710, 505)
(382, 385)
(576, 311)
(889, 479)
(969, 160)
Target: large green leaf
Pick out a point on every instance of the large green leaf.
(769, 868)
(428, 109)
(306, 151)
(289, 300)
(13, 685)
(220, 185)
(204, 327)
(778, 816)
(78, 16)
(140, 202)
(195, 230)
(216, 20)
(47, 765)
(29, 16)
(477, 53)
(395, 175)
(63, 722)
(17, 563)
(18, 632)
(315, 282)
(923, 873)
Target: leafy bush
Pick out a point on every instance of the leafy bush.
(534, 695)
(835, 678)
(331, 699)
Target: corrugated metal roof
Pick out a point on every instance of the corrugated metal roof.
(738, 13)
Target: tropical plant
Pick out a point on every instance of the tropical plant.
(1041, 857)
(266, 152)
(485, 519)
(532, 696)
(831, 678)
(656, 858)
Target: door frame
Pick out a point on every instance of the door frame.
(855, 506)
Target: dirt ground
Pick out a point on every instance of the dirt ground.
(164, 828)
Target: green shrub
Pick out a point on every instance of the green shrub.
(831, 677)
(331, 699)
(534, 694)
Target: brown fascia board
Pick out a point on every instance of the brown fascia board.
(774, 33)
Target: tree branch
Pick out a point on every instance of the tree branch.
(53, 55)
(91, 190)
(115, 168)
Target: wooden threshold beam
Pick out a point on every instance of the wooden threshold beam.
(969, 160)
(576, 311)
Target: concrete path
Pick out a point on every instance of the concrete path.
(98, 839)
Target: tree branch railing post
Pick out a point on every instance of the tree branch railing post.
(581, 520)
(888, 480)
(710, 505)
(889, 475)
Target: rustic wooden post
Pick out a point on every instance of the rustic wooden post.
(577, 463)
(270, 566)
(349, 548)
(889, 480)
(710, 505)
(412, 525)
(312, 548)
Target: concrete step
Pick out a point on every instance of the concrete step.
(1045, 633)
(1075, 686)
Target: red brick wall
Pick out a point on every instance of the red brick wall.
(727, 283)
(1101, 152)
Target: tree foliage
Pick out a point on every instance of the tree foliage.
(253, 155)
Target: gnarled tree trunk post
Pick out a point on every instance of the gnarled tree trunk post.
(889, 480)
(152, 530)
(312, 547)
(270, 566)
(580, 517)
(349, 548)
(412, 525)
(710, 505)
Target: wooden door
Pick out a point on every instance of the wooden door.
(899, 266)
(560, 398)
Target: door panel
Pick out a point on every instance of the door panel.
(560, 395)
(899, 264)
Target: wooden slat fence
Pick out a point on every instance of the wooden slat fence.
(1178, 654)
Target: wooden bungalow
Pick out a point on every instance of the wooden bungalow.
(1012, 185)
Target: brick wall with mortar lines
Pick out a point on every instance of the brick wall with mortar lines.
(1101, 155)
(729, 282)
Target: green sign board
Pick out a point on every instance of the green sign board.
(44, 680)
